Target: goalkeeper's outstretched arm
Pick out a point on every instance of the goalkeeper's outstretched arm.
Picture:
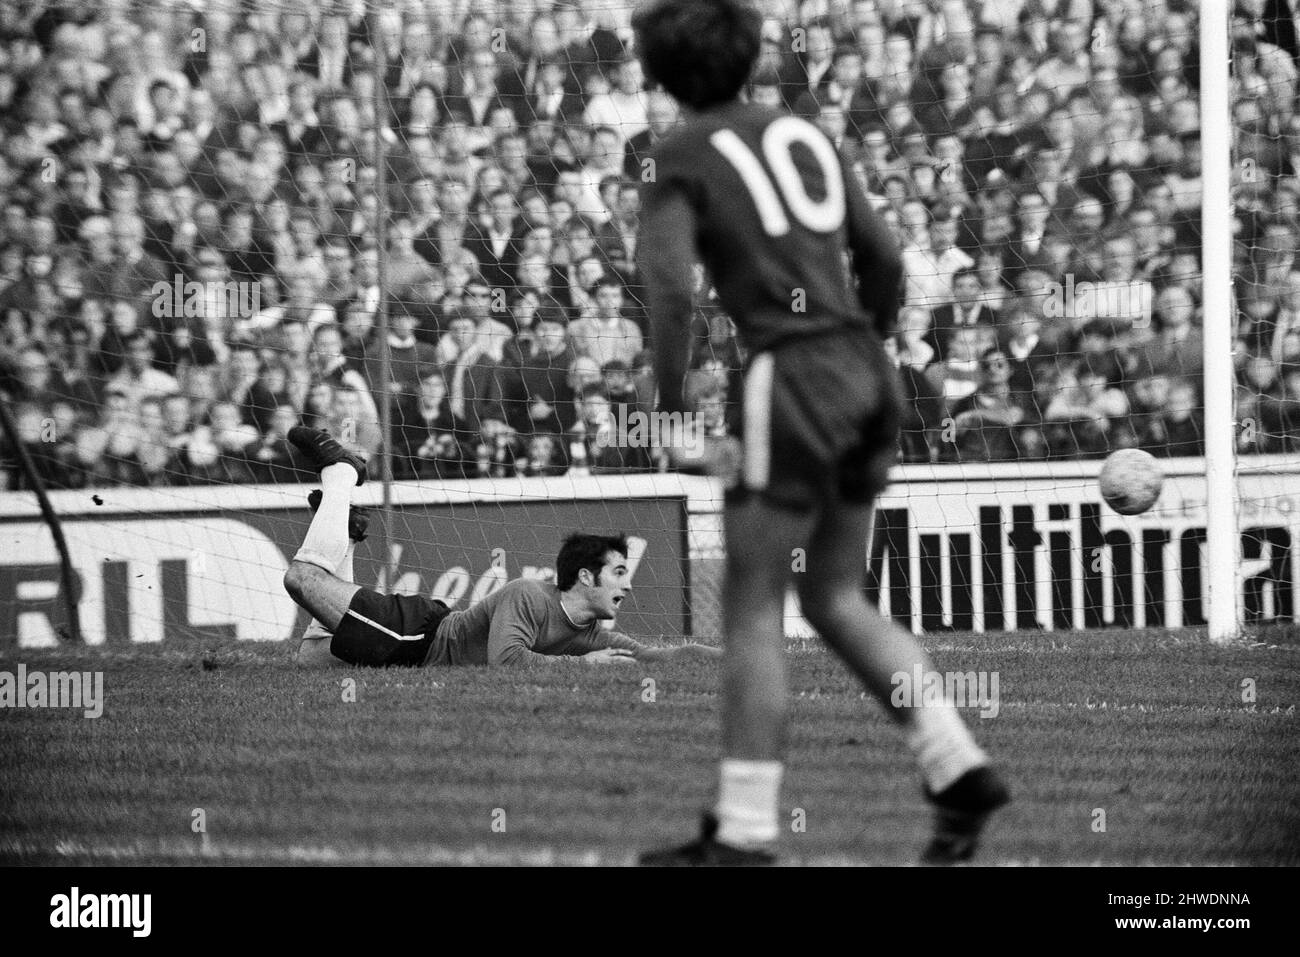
(688, 651)
(644, 652)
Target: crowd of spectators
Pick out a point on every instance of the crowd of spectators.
(190, 208)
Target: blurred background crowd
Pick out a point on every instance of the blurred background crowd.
(191, 217)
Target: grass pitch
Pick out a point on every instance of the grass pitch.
(1144, 733)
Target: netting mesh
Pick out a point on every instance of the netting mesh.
(207, 207)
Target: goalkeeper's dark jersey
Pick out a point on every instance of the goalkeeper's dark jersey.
(776, 214)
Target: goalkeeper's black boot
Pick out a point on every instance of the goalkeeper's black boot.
(960, 812)
(358, 517)
(323, 451)
(707, 851)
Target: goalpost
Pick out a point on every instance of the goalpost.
(1222, 536)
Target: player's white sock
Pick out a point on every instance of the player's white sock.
(943, 745)
(327, 539)
(748, 793)
(344, 570)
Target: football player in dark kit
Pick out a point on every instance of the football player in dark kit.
(762, 199)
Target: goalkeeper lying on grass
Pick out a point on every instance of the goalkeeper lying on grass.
(524, 621)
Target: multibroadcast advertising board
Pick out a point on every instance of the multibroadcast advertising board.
(1045, 552)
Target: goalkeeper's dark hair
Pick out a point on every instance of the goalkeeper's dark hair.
(581, 551)
(700, 51)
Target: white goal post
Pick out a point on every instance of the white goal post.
(1223, 541)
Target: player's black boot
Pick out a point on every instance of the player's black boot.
(358, 517)
(707, 851)
(321, 450)
(960, 812)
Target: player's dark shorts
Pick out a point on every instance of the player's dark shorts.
(379, 630)
(819, 422)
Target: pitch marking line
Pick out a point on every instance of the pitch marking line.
(234, 851)
(433, 855)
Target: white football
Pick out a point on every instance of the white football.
(1130, 481)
